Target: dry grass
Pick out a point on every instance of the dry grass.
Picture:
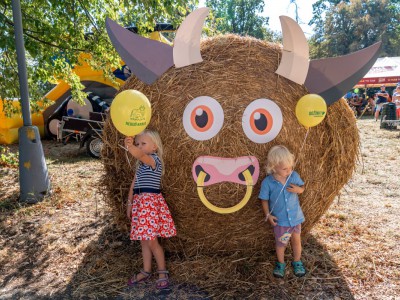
(67, 247)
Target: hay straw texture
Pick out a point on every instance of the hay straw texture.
(235, 71)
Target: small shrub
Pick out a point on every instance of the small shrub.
(8, 158)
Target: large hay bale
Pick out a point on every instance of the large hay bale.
(235, 71)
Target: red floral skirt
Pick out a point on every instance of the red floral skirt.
(151, 217)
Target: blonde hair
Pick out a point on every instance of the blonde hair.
(278, 155)
(155, 137)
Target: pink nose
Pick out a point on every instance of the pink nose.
(220, 169)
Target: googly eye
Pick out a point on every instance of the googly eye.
(262, 121)
(203, 118)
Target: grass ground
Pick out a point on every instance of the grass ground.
(66, 246)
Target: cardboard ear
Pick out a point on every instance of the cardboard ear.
(332, 77)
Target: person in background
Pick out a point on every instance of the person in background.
(355, 104)
(371, 103)
(383, 97)
(396, 100)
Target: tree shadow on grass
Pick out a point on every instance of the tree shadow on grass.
(89, 258)
(111, 259)
(37, 258)
(69, 256)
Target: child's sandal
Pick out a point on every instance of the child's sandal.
(298, 268)
(134, 280)
(279, 270)
(162, 283)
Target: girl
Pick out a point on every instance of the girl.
(280, 203)
(146, 207)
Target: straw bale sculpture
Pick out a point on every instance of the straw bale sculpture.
(234, 71)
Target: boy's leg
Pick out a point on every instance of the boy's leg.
(280, 253)
(295, 242)
(281, 239)
(298, 267)
(279, 270)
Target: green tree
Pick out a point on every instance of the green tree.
(240, 17)
(56, 32)
(342, 27)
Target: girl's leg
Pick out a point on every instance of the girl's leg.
(280, 253)
(158, 253)
(147, 256)
(295, 241)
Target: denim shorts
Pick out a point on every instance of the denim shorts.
(283, 234)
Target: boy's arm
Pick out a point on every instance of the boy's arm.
(268, 217)
(297, 189)
(265, 207)
(301, 189)
(297, 186)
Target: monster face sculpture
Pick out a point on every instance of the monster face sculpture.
(219, 106)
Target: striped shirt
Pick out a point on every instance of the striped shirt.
(146, 177)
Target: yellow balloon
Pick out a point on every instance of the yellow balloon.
(130, 112)
(311, 110)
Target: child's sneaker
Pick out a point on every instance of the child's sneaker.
(298, 268)
(279, 270)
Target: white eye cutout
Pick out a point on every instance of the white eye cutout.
(203, 118)
(262, 121)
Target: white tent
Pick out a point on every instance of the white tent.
(386, 70)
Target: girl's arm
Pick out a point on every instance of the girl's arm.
(139, 154)
(130, 199)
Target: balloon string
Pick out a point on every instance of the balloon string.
(126, 154)
(302, 146)
(129, 161)
(287, 179)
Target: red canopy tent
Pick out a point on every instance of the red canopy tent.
(386, 70)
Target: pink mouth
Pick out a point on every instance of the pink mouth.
(219, 169)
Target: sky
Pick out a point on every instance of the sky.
(275, 8)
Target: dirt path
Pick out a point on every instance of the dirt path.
(67, 248)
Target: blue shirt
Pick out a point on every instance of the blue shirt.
(146, 177)
(285, 206)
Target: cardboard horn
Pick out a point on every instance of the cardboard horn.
(146, 58)
(332, 77)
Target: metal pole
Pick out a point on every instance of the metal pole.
(23, 79)
(33, 176)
